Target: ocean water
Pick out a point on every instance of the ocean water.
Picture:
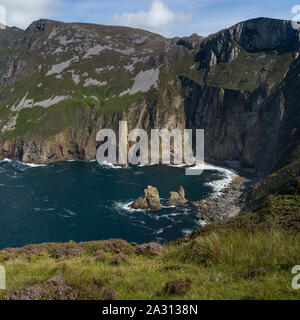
(83, 201)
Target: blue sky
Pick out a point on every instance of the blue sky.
(167, 17)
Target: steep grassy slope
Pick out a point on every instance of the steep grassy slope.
(60, 73)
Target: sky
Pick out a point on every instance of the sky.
(167, 17)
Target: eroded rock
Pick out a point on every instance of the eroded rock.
(177, 198)
(150, 200)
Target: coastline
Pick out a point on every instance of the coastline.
(226, 204)
(222, 205)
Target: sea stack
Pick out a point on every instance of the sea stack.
(177, 198)
(150, 200)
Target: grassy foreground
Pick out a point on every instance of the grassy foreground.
(249, 257)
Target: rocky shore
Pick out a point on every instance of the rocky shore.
(226, 205)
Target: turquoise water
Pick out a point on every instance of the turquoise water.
(85, 201)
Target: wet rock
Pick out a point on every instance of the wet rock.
(140, 203)
(201, 206)
(150, 200)
(205, 217)
(151, 248)
(177, 198)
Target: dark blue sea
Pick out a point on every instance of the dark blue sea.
(83, 201)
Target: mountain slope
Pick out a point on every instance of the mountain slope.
(61, 83)
(70, 80)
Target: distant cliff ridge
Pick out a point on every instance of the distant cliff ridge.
(62, 82)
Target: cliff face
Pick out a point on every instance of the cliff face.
(253, 130)
(247, 101)
(62, 83)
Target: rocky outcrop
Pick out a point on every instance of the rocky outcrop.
(150, 200)
(255, 35)
(177, 198)
(240, 85)
(225, 205)
(252, 129)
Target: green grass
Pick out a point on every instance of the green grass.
(249, 70)
(42, 122)
(248, 257)
(220, 262)
(217, 262)
(120, 104)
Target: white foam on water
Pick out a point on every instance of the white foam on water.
(70, 212)
(161, 230)
(169, 216)
(64, 216)
(33, 165)
(30, 165)
(186, 231)
(127, 206)
(145, 165)
(106, 165)
(177, 165)
(202, 223)
(217, 185)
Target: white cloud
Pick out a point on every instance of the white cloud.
(21, 13)
(159, 18)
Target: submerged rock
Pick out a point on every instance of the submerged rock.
(150, 200)
(177, 198)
